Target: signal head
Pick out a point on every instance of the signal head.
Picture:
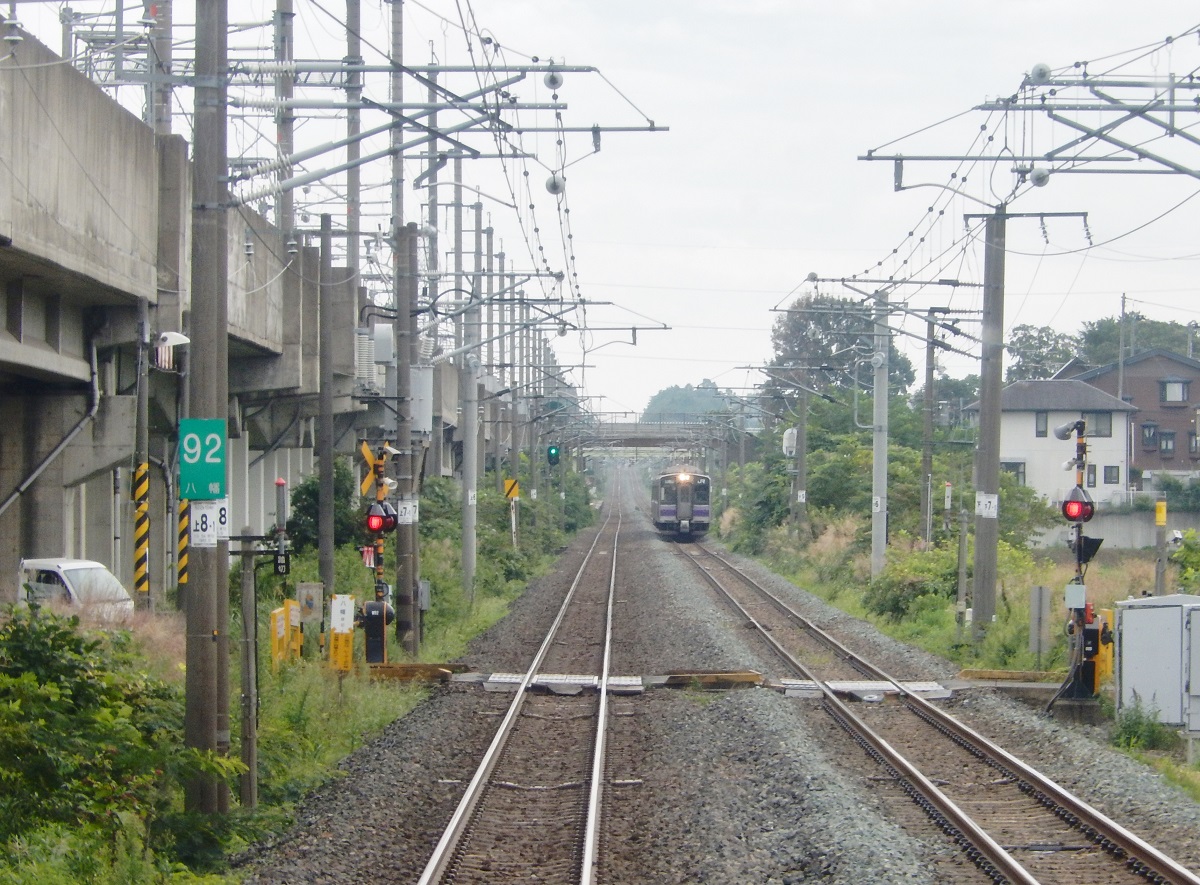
(376, 518)
(1077, 507)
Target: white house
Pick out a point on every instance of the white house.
(1031, 410)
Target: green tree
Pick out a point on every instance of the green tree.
(818, 340)
(1037, 352)
(348, 527)
(682, 403)
(1101, 338)
(85, 738)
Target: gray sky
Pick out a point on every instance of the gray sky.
(711, 226)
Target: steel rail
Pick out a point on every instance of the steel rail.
(443, 853)
(591, 839)
(1092, 822)
(988, 854)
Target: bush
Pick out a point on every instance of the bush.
(86, 739)
(1138, 728)
(909, 576)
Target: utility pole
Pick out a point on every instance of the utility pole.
(353, 146)
(927, 434)
(325, 491)
(469, 373)
(206, 723)
(800, 490)
(879, 478)
(987, 459)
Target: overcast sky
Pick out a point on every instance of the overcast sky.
(712, 226)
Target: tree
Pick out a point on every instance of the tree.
(680, 403)
(347, 520)
(1038, 352)
(818, 340)
(1101, 339)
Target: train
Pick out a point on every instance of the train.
(680, 502)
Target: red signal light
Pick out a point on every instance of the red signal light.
(376, 518)
(1078, 506)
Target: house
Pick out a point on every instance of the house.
(1164, 387)
(1029, 413)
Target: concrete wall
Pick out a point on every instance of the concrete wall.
(80, 184)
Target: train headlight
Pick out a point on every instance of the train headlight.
(683, 477)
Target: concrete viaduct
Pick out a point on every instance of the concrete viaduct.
(95, 221)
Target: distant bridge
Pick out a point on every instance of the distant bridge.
(693, 435)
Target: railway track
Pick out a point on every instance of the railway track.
(1014, 824)
(533, 809)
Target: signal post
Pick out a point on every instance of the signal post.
(1086, 630)
(381, 520)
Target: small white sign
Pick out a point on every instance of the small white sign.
(877, 504)
(471, 496)
(341, 614)
(203, 523)
(987, 505)
(408, 512)
(801, 496)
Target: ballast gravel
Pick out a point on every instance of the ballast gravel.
(737, 786)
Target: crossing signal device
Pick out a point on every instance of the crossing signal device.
(381, 517)
(1077, 506)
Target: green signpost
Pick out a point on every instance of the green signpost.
(202, 459)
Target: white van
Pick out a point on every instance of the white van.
(75, 583)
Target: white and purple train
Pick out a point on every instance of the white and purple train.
(680, 502)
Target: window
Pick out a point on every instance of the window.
(1091, 476)
(1172, 391)
(1112, 475)
(1098, 423)
(1016, 468)
(1150, 435)
(1166, 443)
(1039, 423)
(1193, 445)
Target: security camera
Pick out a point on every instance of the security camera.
(1039, 74)
(391, 450)
(555, 183)
(172, 339)
(1176, 537)
(1064, 431)
(1039, 176)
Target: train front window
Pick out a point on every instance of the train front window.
(669, 492)
(700, 491)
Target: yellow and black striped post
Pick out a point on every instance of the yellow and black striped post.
(185, 534)
(141, 533)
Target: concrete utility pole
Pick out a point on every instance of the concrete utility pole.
(470, 419)
(927, 434)
(354, 146)
(987, 459)
(879, 460)
(800, 485)
(206, 721)
(325, 492)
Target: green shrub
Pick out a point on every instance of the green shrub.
(1138, 728)
(87, 740)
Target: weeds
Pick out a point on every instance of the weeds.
(1138, 728)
